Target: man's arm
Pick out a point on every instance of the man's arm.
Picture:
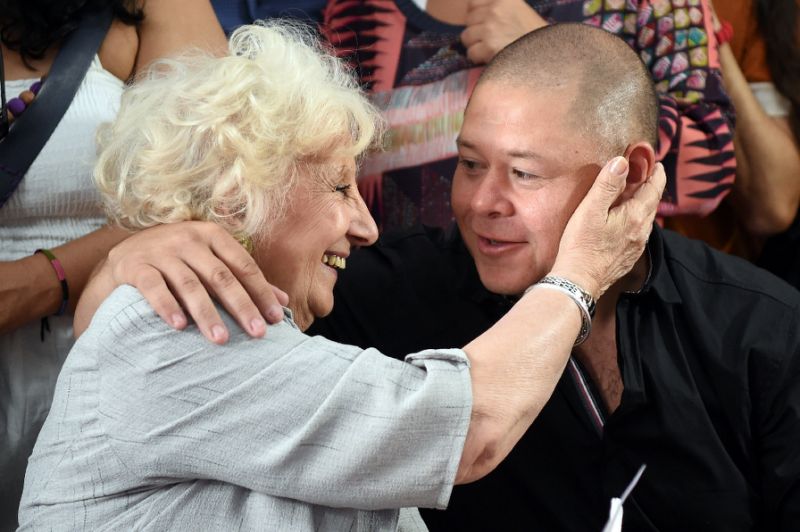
(195, 260)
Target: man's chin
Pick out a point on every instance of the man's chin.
(503, 285)
(506, 277)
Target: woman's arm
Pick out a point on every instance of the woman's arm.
(491, 25)
(766, 193)
(30, 289)
(171, 26)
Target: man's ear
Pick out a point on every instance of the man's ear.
(641, 163)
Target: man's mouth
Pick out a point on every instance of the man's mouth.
(494, 246)
(334, 261)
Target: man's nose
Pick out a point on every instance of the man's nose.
(490, 197)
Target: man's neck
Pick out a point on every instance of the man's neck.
(598, 353)
(632, 282)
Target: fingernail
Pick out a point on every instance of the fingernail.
(257, 327)
(178, 320)
(218, 333)
(275, 313)
(619, 165)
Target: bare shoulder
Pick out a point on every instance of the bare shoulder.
(173, 26)
(119, 49)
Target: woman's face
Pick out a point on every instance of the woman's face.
(304, 252)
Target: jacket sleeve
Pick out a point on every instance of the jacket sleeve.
(287, 415)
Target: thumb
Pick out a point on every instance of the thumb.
(609, 184)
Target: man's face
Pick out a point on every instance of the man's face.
(521, 173)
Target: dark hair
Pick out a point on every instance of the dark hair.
(778, 21)
(30, 27)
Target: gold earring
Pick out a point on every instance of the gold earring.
(246, 242)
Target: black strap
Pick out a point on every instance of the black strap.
(4, 110)
(29, 133)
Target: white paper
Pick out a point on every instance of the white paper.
(615, 516)
(614, 523)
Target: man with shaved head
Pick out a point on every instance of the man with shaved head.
(692, 366)
(543, 119)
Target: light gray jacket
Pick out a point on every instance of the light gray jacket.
(157, 429)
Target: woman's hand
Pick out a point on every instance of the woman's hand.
(601, 243)
(183, 266)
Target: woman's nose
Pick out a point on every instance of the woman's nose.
(363, 230)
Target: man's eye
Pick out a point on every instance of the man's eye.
(523, 175)
(466, 163)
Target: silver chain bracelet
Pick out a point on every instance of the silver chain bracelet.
(581, 297)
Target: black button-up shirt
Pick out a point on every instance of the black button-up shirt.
(709, 353)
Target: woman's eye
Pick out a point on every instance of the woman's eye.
(342, 188)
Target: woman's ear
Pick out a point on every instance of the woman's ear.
(641, 163)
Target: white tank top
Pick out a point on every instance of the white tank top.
(56, 201)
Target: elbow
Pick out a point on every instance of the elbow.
(771, 221)
(485, 447)
(477, 466)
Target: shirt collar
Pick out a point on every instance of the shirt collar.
(660, 281)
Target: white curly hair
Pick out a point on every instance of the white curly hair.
(224, 139)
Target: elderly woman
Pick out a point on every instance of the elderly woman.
(154, 428)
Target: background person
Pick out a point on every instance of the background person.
(56, 205)
(234, 13)
(759, 41)
(420, 61)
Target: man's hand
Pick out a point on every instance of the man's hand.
(601, 243)
(183, 266)
(494, 24)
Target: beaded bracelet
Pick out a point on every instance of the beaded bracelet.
(16, 106)
(62, 278)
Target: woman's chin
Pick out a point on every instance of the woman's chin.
(304, 317)
(322, 312)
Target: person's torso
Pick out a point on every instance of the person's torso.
(683, 410)
(56, 200)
